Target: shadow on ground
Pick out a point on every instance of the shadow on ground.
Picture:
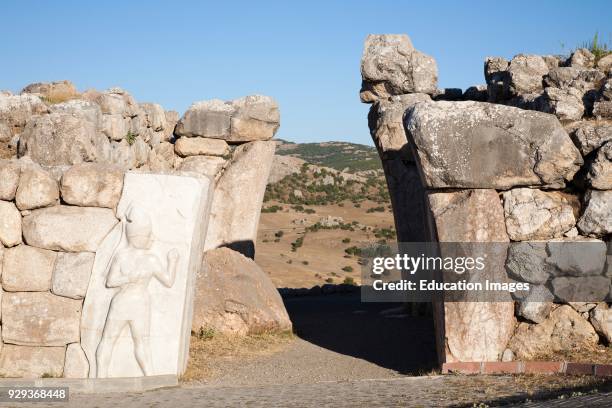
(342, 323)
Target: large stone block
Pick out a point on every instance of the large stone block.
(9, 179)
(596, 220)
(67, 228)
(37, 188)
(40, 319)
(52, 91)
(526, 73)
(591, 135)
(600, 170)
(238, 198)
(390, 65)
(31, 362)
(27, 269)
(522, 148)
(206, 119)
(155, 116)
(10, 224)
(200, 146)
(71, 274)
(206, 165)
(92, 185)
(234, 296)
(76, 364)
(140, 294)
(533, 214)
(16, 110)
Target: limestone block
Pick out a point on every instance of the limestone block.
(256, 117)
(200, 146)
(9, 179)
(596, 220)
(92, 185)
(71, 274)
(206, 165)
(52, 91)
(76, 364)
(37, 188)
(536, 306)
(522, 148)
(10, 224)
(206, 119)
(601, 319)
(600, 170)
(591, 135)
(532, 214)
(166, 214)
(235, 297)
(31, 362)
(115, 127)
(238, 198)
(68, 228)
(39, 319)
(155, 116)
(27, 269)
(526, 73)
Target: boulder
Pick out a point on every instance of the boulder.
(565, 104)
(16, 110)
(114, 101)
(235, 297)
(600, 170)
(155, 116)
(115, 127)
(532, 214)
(603, 105)
(580, 79)
(591, 289)
(172, 118)
(9, 179)
(207, 165)
(590, 136)
(53, 92)
(256, 117)
(238, 198)
(536, 306)
(526, 73)
(140, 151)
(563, 330)
(31, 362)
(62, 138)
(605, 63)
(71, 274)
(92, 185)
(37, 188)
(76, 364)
(596, 220)
(10, 224)
(390, 65)
(67, 228)
(526, 262)
(200, 146)
(601, 319)
(122, 155)
(27, 269)
(40, 319)
(206, 119)
(498, 78)
(576, 256)
(582, 57)
(522, 147)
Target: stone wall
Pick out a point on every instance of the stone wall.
(106, 208)
(525, 157)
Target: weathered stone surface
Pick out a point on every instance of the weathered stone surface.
(16, 110)
(155, 116)
(31, 362)
(563, 330)
(473, 331)
(87, 110)
(10, 224)
(591, 289)
(141, 152)
(498, 78)
(67, 228)
(605, 64)
(200, 146)
(601, 319)
(596, 219)
(172, 118)
(390, 65)
(62, 139)
(522, 147)
(526, 262)
(92, 185)
(114, 101)
(238, 198)
(526, 73)
(578, 78)
(115, 127)
(603, 109)
(256, 118)
(122, 155)
(582, 57)
(283, 166)
(536, 306)
(532, 214)
(206, 119)
(234, 296)
(386, 121)
(9, 179)
(207, 165)
(54, 92)
(71, 274)
(40, 319)
(76, 364)
(565, 104)
(37, 188)
(600, 170)
(27, 269)
(576, 256)
(481, 213)
(590, 136)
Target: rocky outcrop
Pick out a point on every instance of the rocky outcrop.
(235, 297)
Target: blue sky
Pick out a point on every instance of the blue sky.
(304, 54)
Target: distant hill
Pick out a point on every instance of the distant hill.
(342, 156)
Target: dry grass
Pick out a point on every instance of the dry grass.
(205, 353)
(596, 354)
(58, 96)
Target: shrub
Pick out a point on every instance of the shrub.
(305, 262)
(375, 209)
(279, 234)
(346, 240)
(130, 137)
(329, 280)
(348, 269)
(349, 280)
(297, 243)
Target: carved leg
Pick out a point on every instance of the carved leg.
(112, 330)
(142, 345)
